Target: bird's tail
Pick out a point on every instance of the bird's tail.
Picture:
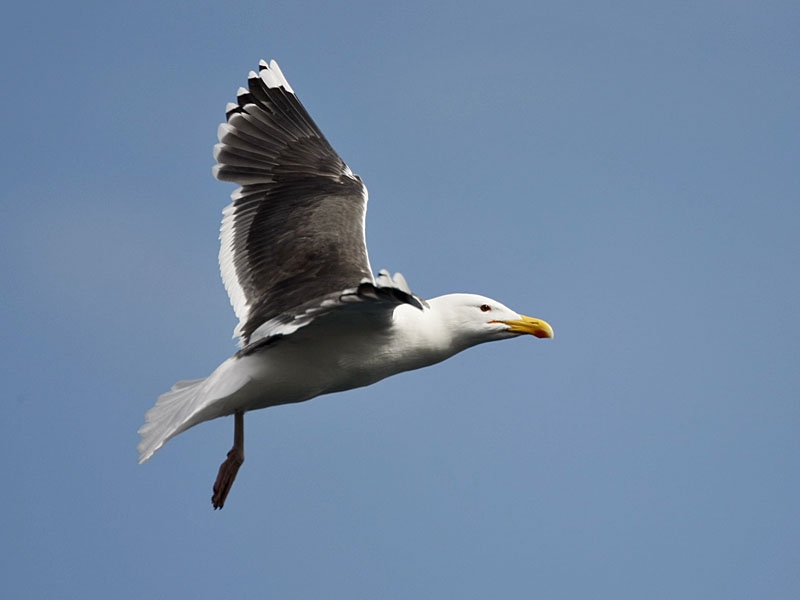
(171, 415)
(193, 401)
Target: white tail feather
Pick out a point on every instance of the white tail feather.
(190, 402)
(170, 416)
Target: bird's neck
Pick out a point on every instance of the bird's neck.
(424, 335)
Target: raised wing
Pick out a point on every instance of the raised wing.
(293, 236)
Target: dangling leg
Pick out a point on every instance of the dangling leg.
(229, 468)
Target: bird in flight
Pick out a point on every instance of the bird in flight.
(313, 319)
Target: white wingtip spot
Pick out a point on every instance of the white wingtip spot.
(236, 194)
(223, 130)
(271, 75)
(279, 74)
(268, 78)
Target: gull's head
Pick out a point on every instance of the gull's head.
(474, 319)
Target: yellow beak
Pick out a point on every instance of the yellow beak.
(535, 327)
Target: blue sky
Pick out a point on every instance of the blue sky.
(628, 172)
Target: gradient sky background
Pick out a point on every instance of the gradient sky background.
(629, 171)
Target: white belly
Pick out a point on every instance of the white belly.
(322, 360)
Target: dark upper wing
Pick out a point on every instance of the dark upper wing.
(293, 237)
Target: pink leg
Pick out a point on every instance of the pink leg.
(229, 468)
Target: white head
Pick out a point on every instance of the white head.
(472, 319)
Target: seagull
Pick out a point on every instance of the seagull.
(313, 319)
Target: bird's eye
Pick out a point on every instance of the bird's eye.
(485, 308)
